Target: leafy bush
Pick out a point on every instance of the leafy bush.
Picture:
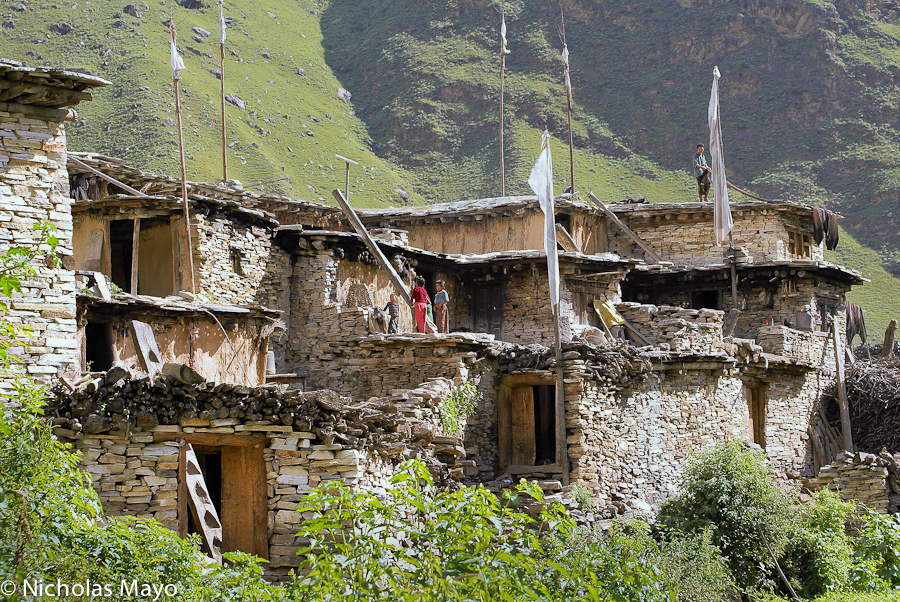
(877, 552)
(457, 407)
(819, 555)
(582, 496)
(697, 569)
(621, 566)
(728, 490)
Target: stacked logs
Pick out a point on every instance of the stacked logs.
(618, 363)
(119, 403)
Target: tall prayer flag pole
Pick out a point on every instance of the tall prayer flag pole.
(541, 182)
(565, 57)
(222, 77)
(503, 52)
(722, 221)
(177, 66)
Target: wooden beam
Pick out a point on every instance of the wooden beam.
(525, 469)
(370, 244)
(109, 179)
(635, 332)
(842, 390)
(615, 219)
(135, 251)
(565, 239)
(210, 439)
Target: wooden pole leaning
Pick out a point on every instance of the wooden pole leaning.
(184, 196)
(224, 136)
(847, 436)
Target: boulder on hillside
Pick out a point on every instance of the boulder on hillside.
(61, 28)
(235, 101)
(201, 32)
(132, 10)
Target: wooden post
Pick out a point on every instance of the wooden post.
(135, 250)
(847, 436)
(887, 350)
(347, 175)
(502, 70)
(734, 287)
(184, 196)
(222, 70)
(561, 452)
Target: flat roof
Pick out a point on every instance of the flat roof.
(47, 86)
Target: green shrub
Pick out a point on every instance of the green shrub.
(877, 553)
(697, 569)
(819, 555)
(728, 490)
(582, 496)
(457, 407)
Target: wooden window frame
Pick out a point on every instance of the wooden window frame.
(799, 240)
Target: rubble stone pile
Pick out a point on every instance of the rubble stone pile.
(696, 331)
(869, 479)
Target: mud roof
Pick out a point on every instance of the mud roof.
(51, 87)
(137, 206)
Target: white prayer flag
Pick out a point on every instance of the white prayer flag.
(723, 223)
(503, 42)
(177, 63)
(221, 23)
(541, 182)
(565, 58)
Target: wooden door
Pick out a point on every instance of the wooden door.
(488, 309)
(244, 493)
(757, 406)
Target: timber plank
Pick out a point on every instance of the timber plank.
(205, 515)
(523, 435)
(145, 345)
(93, 252)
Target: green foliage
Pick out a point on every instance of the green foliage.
(819, 555)
(697, 569)
(456, 408)
(878, 553)
(621, 566)
(582, 496)
(729, 490)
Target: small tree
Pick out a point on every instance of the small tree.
(729, 490)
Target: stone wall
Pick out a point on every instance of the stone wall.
(687, 238)
(632, 444)
(810, 348)
(791, 398)
(33, 187)
(861, 478)
(688, 331)
(237, 263)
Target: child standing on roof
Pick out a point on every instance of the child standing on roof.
(419, 299)
(441, 313)
(393, 311)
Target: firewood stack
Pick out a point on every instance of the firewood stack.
(393, 427)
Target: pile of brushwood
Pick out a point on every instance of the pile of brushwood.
(873, 392)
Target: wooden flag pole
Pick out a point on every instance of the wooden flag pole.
(222, 78)
(561, 452)
(184, 196)
(502, 75)
(734, 288)
(568, 86)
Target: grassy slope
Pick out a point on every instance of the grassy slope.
(424, 82)
(271, 89)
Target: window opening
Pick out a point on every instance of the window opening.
(98, 352)
(121, 243)
(236, 265)
(827, 311)
(799, 244)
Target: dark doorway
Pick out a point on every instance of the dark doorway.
(121, 246)
(544, 423)
(98, 347)
(706, 299)
(487, 309)
(756, 401)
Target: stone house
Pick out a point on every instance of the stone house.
(636, 402)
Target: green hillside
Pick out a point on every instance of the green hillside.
(808, 99)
